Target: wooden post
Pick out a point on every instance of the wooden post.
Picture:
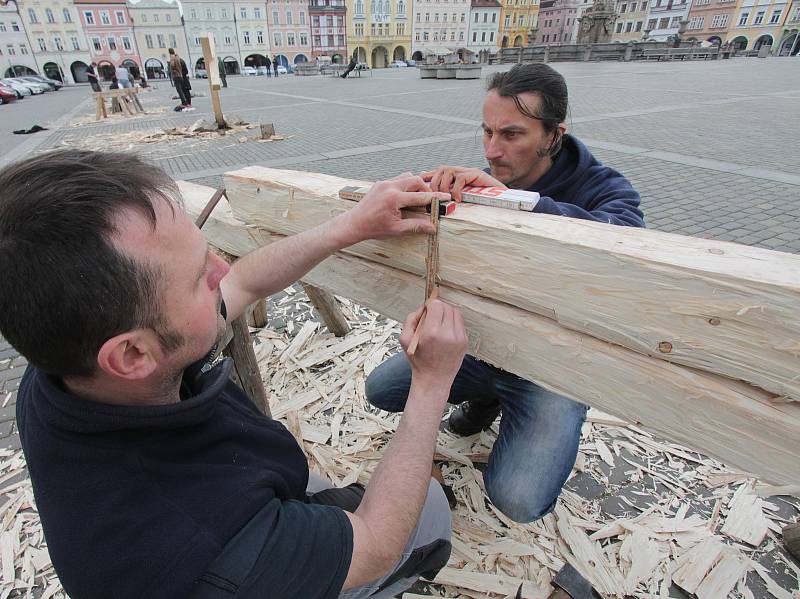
(267, 130)
(214, 83)
(259, 316)
(326, 305)
(241, 350)
(791, 538)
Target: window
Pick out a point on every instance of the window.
(676, 21)
(776, 16)
(162, 43)
(23, 49)
(743, 18)
(43, 46)
(663, 23)
(246, 36)
(628, 26)
(463, 17)
(444, 17)
(32, 16)
(427, 17)
(315, 21)
(144, 18)
(112, 43)
(228, 41)
(400, 29)
(623, 8)
(173, 41)
(416, 36)
(67, 16)
(2, 26)
(639, 25)
(155, 18)
(491, 36)
(303, 18)
(257, 12)
(196, 40)
(759, 17)
(288, 17)
(476, 17)
(243, 12)
(401, 8)
(304, 39)
(148, 40)
(126, 42)
(259, 37)
(192, 14)
(209, 14)
(507, 22)
(720, 21)
(121, 17)
(494, 17)
(702, 2)
(223, 13)
(483, 36)
(435, 36)
(11, 50)
(485, 17)
(96, 44)
(168, 16)
(339, 20)
(651, 24)
(619, 27)
(49, 15)
(359, 30)
(105, 18)
(474, 36)
(276, 37)
(275, 17)
(436, 17)
(75, 43)
(360, 8)
(425, 36)
(461, 36)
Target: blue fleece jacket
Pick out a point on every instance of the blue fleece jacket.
(578, 185)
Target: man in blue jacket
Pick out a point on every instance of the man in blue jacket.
(527, 147)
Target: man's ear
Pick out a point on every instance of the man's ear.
(562, 127)
(131, 355)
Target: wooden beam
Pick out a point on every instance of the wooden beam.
(241, 350)
(328, 309)
(726, 419)
(212, 70)
(258, 316)
(715, 306)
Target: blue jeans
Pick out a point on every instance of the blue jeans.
(539, 431)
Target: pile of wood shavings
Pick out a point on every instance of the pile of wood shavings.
(316, 386)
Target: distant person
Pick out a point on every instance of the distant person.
(269, 67)
(124, 77)
(114, 83)
(350, 67)
(180, 76)
(275, 67)
(143, 82)
(91, 73)
(222, 74)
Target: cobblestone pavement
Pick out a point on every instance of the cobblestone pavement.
(712, 147)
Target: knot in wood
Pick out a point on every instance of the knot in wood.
(713, 321)
(665, 347)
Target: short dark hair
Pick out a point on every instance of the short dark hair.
(545, 82)
(66, 288)
(171, 50)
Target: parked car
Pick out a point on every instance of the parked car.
(263, 70)
(7, 95)
(51, 83)
(21, 90)
(398, 63)
(411, 63)
(201, 74)
(282, 70)
(36, 86)
(249, 71)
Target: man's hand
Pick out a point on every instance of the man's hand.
(442, 345)
(455, 178)
(378, 216)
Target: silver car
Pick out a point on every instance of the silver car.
(19, 89)
(37, 87)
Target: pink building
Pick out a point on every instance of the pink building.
(289, 27)
(557, 21)
(328, 33)
(109, 31)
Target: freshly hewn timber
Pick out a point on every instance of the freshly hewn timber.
(258, 314)
(328, 309)
(715, 306)
(726, 419)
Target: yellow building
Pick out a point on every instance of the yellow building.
(516, 20)
(758, 23)
(379, 31)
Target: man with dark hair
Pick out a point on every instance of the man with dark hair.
(350, 66)
(147, 462)
(180, 76)
(527, 147)
(91, 74)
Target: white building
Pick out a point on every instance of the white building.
(251, 26)
(665, 18)
(157, 27)
(16, 53)
(56, 35)
(212, 16)
(484, 26)
(439, 24)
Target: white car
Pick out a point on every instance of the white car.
(249, 71)
(19, 89)
(263, 70)
(399, 63)
(36, 86)
(282, 70)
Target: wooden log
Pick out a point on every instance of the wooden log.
(241, 350)
(791, 538)
(258, 315)
(212, 70)
(715, 306)
(328, 309)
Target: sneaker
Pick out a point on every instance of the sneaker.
(473, 417)
(188, 109)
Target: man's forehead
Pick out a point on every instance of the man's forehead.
(137, 235)
(503, 109)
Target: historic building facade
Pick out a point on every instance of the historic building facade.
(439, 26)
(109, 32)
(758, 23)
(212, 16)
(329, 29)
(631, 21)
(484, 26)
(289, 24)
(16, 51)
(59, 45)
(557, 20)
(665, 18)
(517, 18)
(157, 26)
(379, 31)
